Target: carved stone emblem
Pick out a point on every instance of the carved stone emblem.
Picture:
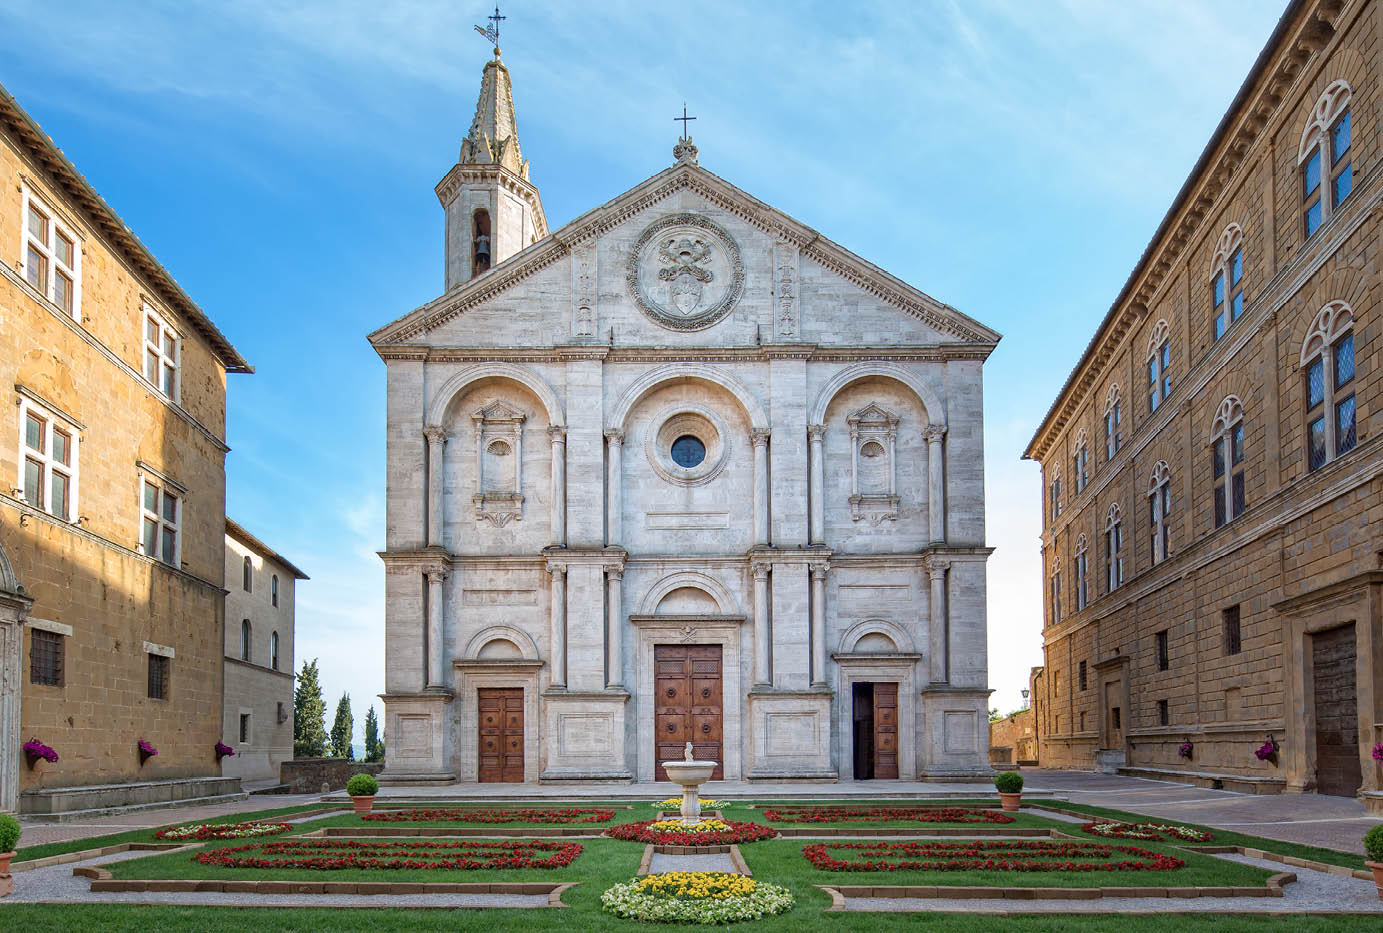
(685, 272)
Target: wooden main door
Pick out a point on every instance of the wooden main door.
(1333, 658)
(875, 733)
(501, 736)
(687, 705)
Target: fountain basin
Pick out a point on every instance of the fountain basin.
(690, 773)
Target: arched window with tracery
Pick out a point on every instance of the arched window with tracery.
(1160, 511)
(1159, 364)
(1113, 422)
(1114, 548)
(1227, 279)
(1227, 447)
(1327, 359)
(1056, 590)
(1081, 461)
(1054, 494)
(1082, 573)
(1323, 156)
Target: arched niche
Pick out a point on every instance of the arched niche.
(712, 589)
(500, 642)
(437, 412)
(686, 372)
(925, 394)
(875, 636)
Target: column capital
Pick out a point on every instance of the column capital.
(435, 434)
(615, 573)
(614, 436)
(556, 567)
(761, 569)
(936, 566)
(816, 432)
(934, 432)
(557, 433)
(818, 568)
(435, 576)
(759, 436)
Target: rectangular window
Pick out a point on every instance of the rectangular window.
(1159, 376)
(1056, 598)
(1163, 660)
(1082, 581)
(45, 658)
(1311, 191)
(1118, 717)
(1056, 499)
(48, 467)
(1233, 645)
(1082, 720)
(51, 256)
(1113, 556)
(244, 728)
(1342, 170)
(158, 677)
(1082, 675)
(1113, 430)
(161, 520)
(162, 352)
(1163, 715)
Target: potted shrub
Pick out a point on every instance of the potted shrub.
(362, 788)
(9, 840)
(1373, 850)
(1009, 784)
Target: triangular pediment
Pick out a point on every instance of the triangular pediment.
(872, 414)
(499, 411)
(947, 322)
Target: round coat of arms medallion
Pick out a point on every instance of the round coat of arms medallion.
(685, 272)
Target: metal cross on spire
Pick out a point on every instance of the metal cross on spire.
(491, 32)
(684, 120)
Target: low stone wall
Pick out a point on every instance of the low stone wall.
(307, 775)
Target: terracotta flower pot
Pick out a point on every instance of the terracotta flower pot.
(6, 881)
(1377, 876)
(363, 804)
(1011, 802)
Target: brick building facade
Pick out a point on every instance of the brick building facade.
(1212, 497)
(112, 512)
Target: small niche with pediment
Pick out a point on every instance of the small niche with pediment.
(873, 493)
(498, 494)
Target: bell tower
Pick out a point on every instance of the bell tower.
(493, 210)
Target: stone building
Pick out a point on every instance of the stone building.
(1211, 470)
(682, 470)
(257, 708)
(112, 524)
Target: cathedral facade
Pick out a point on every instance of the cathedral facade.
(683, 470)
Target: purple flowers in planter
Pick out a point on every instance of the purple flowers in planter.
(224, 751)
(1267, 751)
(1184, 750)
(1378, 752)
(36, 750)
(146, 750)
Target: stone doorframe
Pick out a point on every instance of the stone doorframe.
(1357, 599)
(1112, 670)
(14, 609)
(477, 673)
(899, 668)
(723, 630)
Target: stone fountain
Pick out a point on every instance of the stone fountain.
(691, 774)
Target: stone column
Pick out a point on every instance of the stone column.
(818, 569)
(761, 643)
(614, 582)
(559, 624)
(11, 640)
(558, 435)
(816, 454)
(614, 449)
(436, 630)
(436, 479)
(936, 483)
(759, 436)
(939, 638)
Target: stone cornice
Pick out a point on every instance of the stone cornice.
(925, 353)
(471, 173)
(937, 315)
(1255, 115)
(241, 662)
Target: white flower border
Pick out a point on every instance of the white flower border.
(626, 901)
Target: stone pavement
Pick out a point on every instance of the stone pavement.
(39, 833)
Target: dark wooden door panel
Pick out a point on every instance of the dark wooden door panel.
(688, 697)
(886, 731)
(1334, 655)
(501, 735)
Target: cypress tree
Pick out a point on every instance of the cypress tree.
(374, 745)
(341, 730)
(309, 714)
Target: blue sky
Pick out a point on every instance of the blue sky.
(1008, 157)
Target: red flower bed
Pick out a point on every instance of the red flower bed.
(737, 834)
(333, 855)
(455, 815)
(879, 814)
(986, 856)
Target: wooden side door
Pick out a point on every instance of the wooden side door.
(886, 731)
(501, 736)
(688, 705)
(1114, 713)
(1334, 655)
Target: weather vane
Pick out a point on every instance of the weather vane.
(491, 32)
(684, 120)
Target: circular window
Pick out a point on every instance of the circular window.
(688, 451)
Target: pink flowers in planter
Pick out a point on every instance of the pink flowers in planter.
(146, 751)
(35, 750)
(1267, 751)
(1378, 752)
(224, 751)
(1184, 750)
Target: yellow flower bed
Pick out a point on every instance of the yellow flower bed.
(674, 802)
(697, 885)
(705, 826)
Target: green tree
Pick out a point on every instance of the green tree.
(309, 714)
(374, 745)
(341, 730)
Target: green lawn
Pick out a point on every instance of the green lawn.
(1021, 821)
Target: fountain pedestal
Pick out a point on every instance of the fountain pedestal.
(691, 775)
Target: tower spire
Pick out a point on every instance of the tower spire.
(494, 135)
